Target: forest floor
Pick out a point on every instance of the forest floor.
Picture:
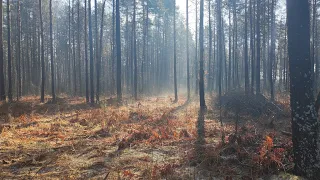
(152, 138)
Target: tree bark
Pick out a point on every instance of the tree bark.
(43, 73)
(304, 117)
(2, 84)
(91, 56)
(9, 54)
(175, 55)
(118, 39)
(201, 70)
(52, 56)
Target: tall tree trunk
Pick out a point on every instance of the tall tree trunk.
(97, 53)
(19, 53)
(235, 47)
(304, 116)
(9, 54)
(273, 49)
(43, 73)
(69, 49)
(51, 56)
(2, 84)
(229, 76)
(91, 56)
(188, 58)
(316, 77)
(258, 48)
(246, 68)
(113, 84)
(74, 52)
(86, 50)
(209, 79)
(79, 47)
(252, 35)
(196, 63)
(175, 55)
(135, 91)
(118, 39)
(201, 71)
(143, 49)
(100, 52)
(314, 47)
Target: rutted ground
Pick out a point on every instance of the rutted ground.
(149, 139)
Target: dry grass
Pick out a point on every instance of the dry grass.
(149, 139)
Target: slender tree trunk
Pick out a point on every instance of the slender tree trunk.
(196, 54)
(143, 49)
(9, 54)
(229, 76)
(175, 55)
(316, 77)
(43, 73)
(51, 56)
(273, 49)
(86, 51)
(2, 84)
(188, 55)
(79, 48)
(100, 52)
(97, 53)
(258, 48)
(69, 49)
(19, 53)
(135, 91)
(113, 46)
(118, 39)
(246, 68)
(209, 79)
(74, 51)
(201, 71)
(91, 56)
(314, 47)
(252, 34)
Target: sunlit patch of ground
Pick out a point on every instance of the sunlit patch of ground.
(152, 138)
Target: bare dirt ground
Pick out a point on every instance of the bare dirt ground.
(149, 139)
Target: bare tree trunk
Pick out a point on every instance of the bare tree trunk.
(2, 84)
(201, 71)
(305, 126)
(188, 58)
(91, 56)
(97, 53)
(273, 49)
(252, 35)
(196, 54)
(9, 54)
(86, 51)
(51, 56)
(209, 79)
(79, 48)
(246, 68)
(258, 48)
(43, 73)
(19, 53)
(118, 39)
(135, 91)
(175, 55)
(100, 51)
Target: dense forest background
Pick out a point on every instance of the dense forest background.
(253, 44)
(129, 89)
